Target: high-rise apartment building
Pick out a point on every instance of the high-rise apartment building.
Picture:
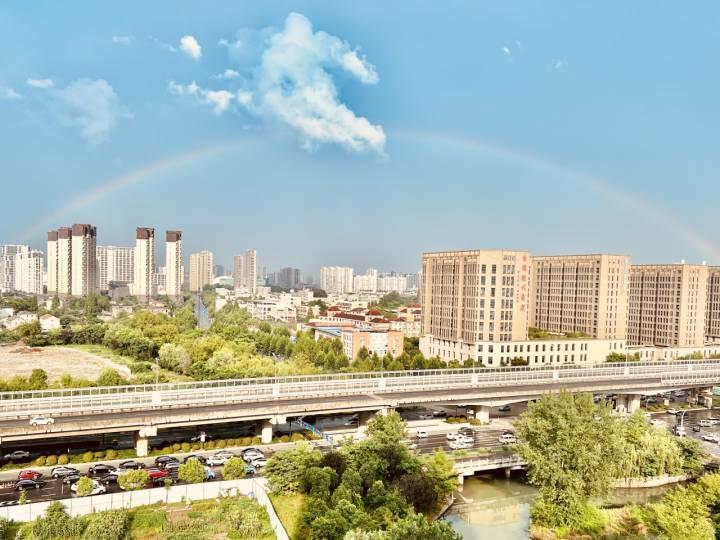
(143, 282)
(251, 270)
(7, 265)
(173, 264)
(52, 262)
(336, 279)
(712, 307)
(201, 270)
(114, 264)
(667, 305)
(287, 278)
(29, 266)
(64, 261)
(581, 293)
(83, 262)
(238, 271)
(367, 282)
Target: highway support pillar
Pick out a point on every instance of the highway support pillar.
(621, 403)
(482, 413)
(705, 397)
(461, 481)
(142, 442)
(508, 473)
(266, 432)
(633, 403)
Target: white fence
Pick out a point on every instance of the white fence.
(208, 393)
(79, 506)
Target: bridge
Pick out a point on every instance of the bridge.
(147, 408)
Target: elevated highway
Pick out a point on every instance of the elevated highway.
(147, 408)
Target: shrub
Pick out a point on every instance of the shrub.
(111, 454)
(234, 468)
(39, 462)
(88, 457)
(51, 461)
(84, 486)
(196, 446)
(296, 437)
(148, 518)
(256, 440)
(192, 472)
(246, 441)
(4, 526)
(99, 455)
(56, 523)
(176, 447)
(63, 459)
(210, 445)
(167, 450)
(109, 525)
(284, 439)
(185, 447)
(220, 444)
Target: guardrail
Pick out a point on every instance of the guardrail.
(207, 393)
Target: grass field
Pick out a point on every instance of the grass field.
(288, 509)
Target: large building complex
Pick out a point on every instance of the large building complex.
(173, 264)
(7, 265)
(72, 261)
(143, 282)
(667, 305)
(712, 307)
(238, 271)
(115, 264)
(201, 270)
(245, 271)
(580, 293)
(336, 279)
(21, 269)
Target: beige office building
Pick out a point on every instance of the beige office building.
(581, 293)
(84, 260)
(173, 264)
(201, 270)
(667, 305)
(143, 282)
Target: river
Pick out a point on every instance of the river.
(491, 507)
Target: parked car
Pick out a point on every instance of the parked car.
(157, 474)
(709, 437)
(463, 439)
(679, 431)
(507, 438)
(249, 469)
(71, 479)
(22, 485)
(161, 461)
(97, 489)
(172, 468)
(458, 445)
(17, 455)
(421, 434)
(131, 464)
(252, 453)
(468, 432)
(425, 415)
(111, 478)
(451, 436)
(226, 453)
(439, 414)
(258, 463)
(672, 411)
(62, 470)
(505, 408)
(216, 460)
(101, 468)
(41, 420)
(201, 459)
(28, 474)
(705, 423)
(651, 399)
(696, 428)
(250, 449)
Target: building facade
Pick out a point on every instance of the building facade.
(29, 266)
(238, 271)
(667, 305)
(114, 264)
(336, 279)
(201, 270)
(712, 307)
(375, 341)
(173, 264)
(52, 263)
(581, 293)
(8, 254)
(60, 261)
(367, 282)
(83, 264)
(143, 282)
(251, 270)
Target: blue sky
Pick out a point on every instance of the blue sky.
(365, 133)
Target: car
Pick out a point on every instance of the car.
(672, 411)
(198, 438)
(651, 399)
(250, 449)
(439, 414)
(451, 436)
(710, 438)
(464, 439)
(679, 393)
(172, 468)
(259, 463)
(131, 464)
(157, 474)
(505, 408)
(161, 461)
(705, 423)
(216, 460)
(71, 479)
(468, 432)
(201, 459)
(421, 434)
(249, 469)
(657, 422)
(22, 485)
(425, 415)
(111, 478)
(17, 455)
(226, 453)
(696, 428)
(351, 421)
(62, 470)
(209, 473)
(97, 488)
(101, 468)
(253, 454)
(28, 474)
(41, 420)
(507, 438)
(679, 431)
(457, 445)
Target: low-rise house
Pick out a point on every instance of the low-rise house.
(49, 322)
(22, 317)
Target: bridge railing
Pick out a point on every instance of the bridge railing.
(88, 400)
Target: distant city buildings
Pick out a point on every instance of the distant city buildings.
(72, 261)
(115, 264)
(201, 270)
(367, 282)
(21, 269)
(174, 274)
(245, 272)
(143, 281)
(286, 278)
(336, 279)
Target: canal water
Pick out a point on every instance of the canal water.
(491, 507)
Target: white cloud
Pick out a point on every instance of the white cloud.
(8, 94)
(558, 64)
(219, 100)
(190, 46)
(167, 46)
(40, 83)
(506, 51)
(123, 40)
(292, 84)
(91, 106)
(227, 75)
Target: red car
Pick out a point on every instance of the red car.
(157, 474)
(27, 474)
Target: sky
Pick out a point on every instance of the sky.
(365, 133)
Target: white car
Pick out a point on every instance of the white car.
(451, 436)
(214, 460)
(672, 411)
(507, 438)
(456, 445)
(251, 456)
(98, 488)
(657, 422)
(710, 438)
(259, 463)
(705, 423)
(41, 420)
(465, 440)
(421, 434)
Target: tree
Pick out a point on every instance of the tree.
(441, 471)
(56, 524)
(234, 469)
(38, 379)
(419, 490)
(108, 525)
(387, 428)
(572, 448)
(133, 480)
(415, 526)
(85, 486)
(285, 469)
(192, 471)
(110, 377)
(680, 514)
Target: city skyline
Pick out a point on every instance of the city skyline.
(434, 138)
